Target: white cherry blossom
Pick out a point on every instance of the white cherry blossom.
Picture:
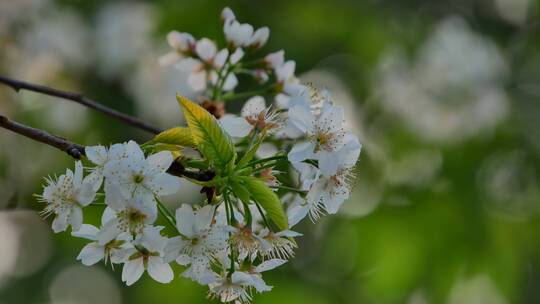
(200, 240)
(137, 176)
(238, 34)
(115, 250)
(252, 277)
(259, 38)
(125, 216)
(278, 244)
(147, 255)
(254, 116)
(276, 59)
(182, 44)
(327, 141)
(227, 14)
(66, 197)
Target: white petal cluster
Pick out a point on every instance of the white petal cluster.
(244, 227)
(325, 157)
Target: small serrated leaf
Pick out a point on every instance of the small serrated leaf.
(207, 135)
(267, 199)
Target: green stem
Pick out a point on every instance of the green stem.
(264, 160)
(263, 217)
(219, 83)
(166, 213)
(289, 189)
(232, 95)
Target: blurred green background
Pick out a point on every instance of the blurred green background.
(444, 95)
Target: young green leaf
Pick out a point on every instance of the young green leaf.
(207, 135)
(240, 190)
(180, 136)
(268, 200)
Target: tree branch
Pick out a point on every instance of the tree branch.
(72, 149)
(78, 151)
(80, 99)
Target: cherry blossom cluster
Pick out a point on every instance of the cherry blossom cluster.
(244, 225)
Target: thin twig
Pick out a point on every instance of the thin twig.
(72, 149)
(80, 99)
(78, 151)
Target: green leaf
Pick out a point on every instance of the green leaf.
(158, 147)
(207, 135)
(180, 136)
(240, 190)
(267, 199)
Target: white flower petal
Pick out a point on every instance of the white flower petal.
(108, 214)
(78, 174)
(197, 80)
(160, 161)
(185, 220)
(114, 197)
(301, 151)
(237, 56)
(97, 155)
(159, 271)
(269, 265)
(76, 218)
(203, 219)
(91, 254)
(230, 82)
(253, 106)
(60, 223)
(164, 184)
(235, 126)
(86, 194)
(328, 162)
(109, 232)
(301, 117)
(220, 58)
(296, 214)
(275, 59)
(206, 49)
(132, 271)
(87, 232)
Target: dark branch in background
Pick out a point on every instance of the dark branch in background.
(80, 99)
(77, 151)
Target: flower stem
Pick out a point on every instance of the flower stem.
(289, 189)
(263, 217)
(232, 95)
(264, 160)
(166, 213)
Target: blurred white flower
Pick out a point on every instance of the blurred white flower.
(181, 44)
(123, 34)
(509, 185)
(84, 285)
(477, 289)
(454, 89)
